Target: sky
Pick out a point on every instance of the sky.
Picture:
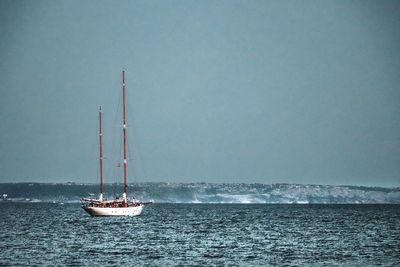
(217, 91)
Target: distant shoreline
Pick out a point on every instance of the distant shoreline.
(198, 183)
(232, 193)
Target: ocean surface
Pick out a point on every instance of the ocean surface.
(202, 234)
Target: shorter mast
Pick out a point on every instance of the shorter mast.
(101, 159)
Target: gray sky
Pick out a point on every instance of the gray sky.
(218, 91)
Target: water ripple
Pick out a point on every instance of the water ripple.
(201, 234)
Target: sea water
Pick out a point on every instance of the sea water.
(201, 234)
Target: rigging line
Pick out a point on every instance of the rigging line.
(133, 166)
(118, 162)
(129, 118)
(131, 138)
(116, 147)
(95, 154)
(137, 156)
(137, 152)
(135, 137)
(106, 169)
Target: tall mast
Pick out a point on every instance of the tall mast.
(123, 97)
(101, 159)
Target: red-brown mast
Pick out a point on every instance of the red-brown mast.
(101, 156)
(123, 97)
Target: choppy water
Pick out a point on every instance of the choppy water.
(201, 234)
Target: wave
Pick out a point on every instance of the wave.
(203, 193)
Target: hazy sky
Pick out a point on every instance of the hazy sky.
(218, 91)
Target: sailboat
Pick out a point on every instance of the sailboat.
(115, 207)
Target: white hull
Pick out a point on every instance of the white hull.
(104, 211)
